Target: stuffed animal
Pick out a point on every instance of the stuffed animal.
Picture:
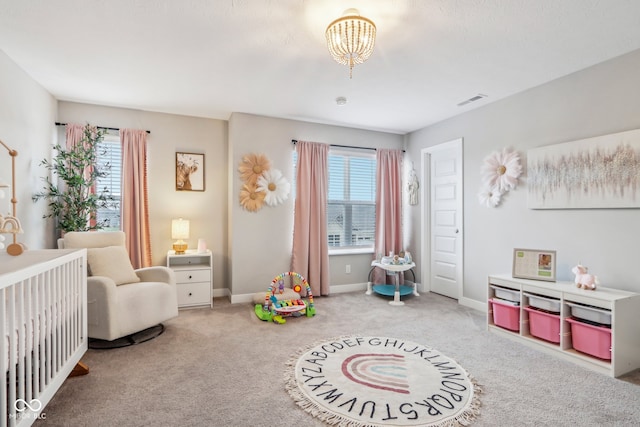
(583, 279)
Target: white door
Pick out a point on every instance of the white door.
(442, 218)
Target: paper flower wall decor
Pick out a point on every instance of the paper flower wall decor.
(500, 172)
(250, 198)
(502, 169)
(489, 198)
(252, 166)
(274, 186)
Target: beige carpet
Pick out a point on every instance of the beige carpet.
(225, 367)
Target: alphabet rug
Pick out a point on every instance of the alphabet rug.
(380, 381)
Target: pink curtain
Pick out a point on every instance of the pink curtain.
(134, 210)
(74, 133)
(310, 256)
(388, 205)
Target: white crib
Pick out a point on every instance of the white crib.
(43, 315)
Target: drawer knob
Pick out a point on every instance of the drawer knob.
(190, 277)
(190, 294)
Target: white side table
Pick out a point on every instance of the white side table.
(396, 290)
(194, 273)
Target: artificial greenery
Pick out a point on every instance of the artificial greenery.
(72, 203)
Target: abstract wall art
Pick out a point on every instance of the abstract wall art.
(599, 172)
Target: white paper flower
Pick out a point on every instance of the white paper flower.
(501, 170)
(275, 187)
(490, 197)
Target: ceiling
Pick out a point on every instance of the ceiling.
(209, 58)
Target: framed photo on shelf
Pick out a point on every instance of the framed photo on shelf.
(534, 264)
(189, 172)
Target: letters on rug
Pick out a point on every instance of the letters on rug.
(381, 381)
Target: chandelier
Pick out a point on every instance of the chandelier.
(351, 38)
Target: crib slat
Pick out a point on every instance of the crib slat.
(12, 354)
(4, 360)
(29, 316)
(22, 337)
(35, 373)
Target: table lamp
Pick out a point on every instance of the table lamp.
(180, 231)
(11, 223)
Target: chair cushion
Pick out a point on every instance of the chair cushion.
(112, 262)
(93, 239)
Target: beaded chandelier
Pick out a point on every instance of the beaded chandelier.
(351, 38)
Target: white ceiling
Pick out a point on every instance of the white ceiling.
(210, 58)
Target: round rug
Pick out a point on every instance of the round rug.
(381, 381)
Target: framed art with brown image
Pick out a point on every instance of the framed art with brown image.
(189, 172)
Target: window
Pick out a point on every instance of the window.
(351, 210)
(110, 155)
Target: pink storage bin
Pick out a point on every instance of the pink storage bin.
(590, 339)
(506, 315)
(544, 325)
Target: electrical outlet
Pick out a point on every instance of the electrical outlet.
(348, 269)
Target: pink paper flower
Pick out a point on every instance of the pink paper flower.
(501, 170)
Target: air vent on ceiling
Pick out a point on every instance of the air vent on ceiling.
(472, 99)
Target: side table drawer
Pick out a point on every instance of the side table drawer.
(193, 294)
(188, 276)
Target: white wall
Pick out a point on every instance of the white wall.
(599, 100)
(170, 133)
(261, 242)
(27, 116)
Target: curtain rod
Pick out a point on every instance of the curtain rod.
(294, 141)
(100, 127)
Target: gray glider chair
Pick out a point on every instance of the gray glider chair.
(120, 300)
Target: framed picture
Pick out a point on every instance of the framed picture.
(189, 172)
(534, 264)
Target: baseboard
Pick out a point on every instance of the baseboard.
(334, 289)
(476, 305)
(341, 289)
(221, 293)
(242, 298)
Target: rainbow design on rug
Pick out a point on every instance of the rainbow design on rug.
(380, 371)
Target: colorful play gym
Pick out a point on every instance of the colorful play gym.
(277, 310)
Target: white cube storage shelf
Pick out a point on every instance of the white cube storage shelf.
(619, 307)
(194, 272)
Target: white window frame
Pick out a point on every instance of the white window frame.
(115, 141)
(353, 249)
